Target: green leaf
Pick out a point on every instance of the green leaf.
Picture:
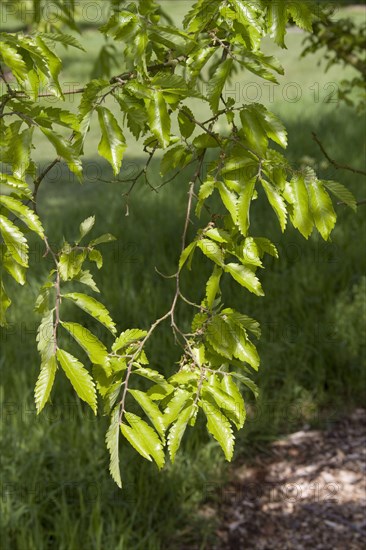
(96, 351)
(158, 392)
(176, 157)
(53, 63)
(24, 213)
(86, 278)
(204, 192)
(177, 430)
(106, 238)
(321, 208)
(341, 192)
(184, 377)
(219, 426)
(277, 203)
(303, 14)
(241, 348)
(14, 61)
(243, 205)
(277, 20)
(128, 337)
(206, 141)
(186, 122)
(45, 382)
(15, 241)
(14, 269)
(219, 336)
(186, 254)
(153, 376)
(112, 144)
(265, 246)
(301, 216)
(70, 263)
(175, 405)
(229, 199)
(151, 410)
(274, 128)
(245, 277)
(112, 442)
(5, 303)
(231, 389)
(159, 119)
(217, 83)
(20, 148)
(79, 377)
(64, 149)
(143, 438)
(64, 39)
(253, 129)
(85, 227)
(211, 250)
(95, 256)
(15, 186)
(213, 286)
(228, 403)
(247, 382)
(247, 322)
(93, 307)
(46, 338)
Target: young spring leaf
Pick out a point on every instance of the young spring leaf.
(106, 238)
(217, 83)
(20, 152)
(93, 307)
(301, 216)
(24, 213)
(128, 337)
(64, 149)
(79, 377)
(219, 426)
(175, 405)
(159, 119)
(177, 430)
(243, 205)
(341, 192)
(45, 382)
(321, 208)
(143, 438)
(112, 144)
(151, 410)
(213, 286)
(14, 240)
(85, 227)
(212, 251)
(186, 122)
(45, 337)
(112, 442)
(5, 303)
(239, 414)
(229, 199)
(277, 203)
(245, 277)
(97, 352)
(187, 254)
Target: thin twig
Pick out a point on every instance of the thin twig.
(337, 165)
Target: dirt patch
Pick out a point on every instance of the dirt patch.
(309, 492)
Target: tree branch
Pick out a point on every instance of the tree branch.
(337, 165)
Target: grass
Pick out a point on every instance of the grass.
(56, 490)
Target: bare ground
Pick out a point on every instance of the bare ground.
(308, 492)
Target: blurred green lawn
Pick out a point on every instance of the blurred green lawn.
(56, 490)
